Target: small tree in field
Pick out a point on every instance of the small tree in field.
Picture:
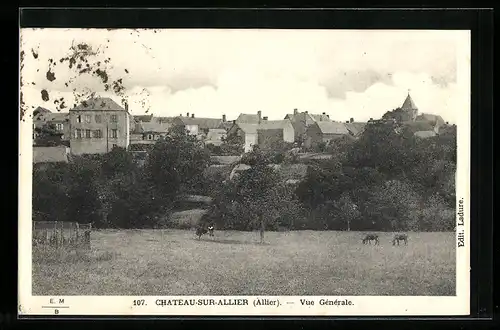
(176, 163)
(347, 210)
(262, 196)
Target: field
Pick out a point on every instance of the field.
(174, 262)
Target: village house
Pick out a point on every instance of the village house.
(246, 132)
(272, 132)
(324, 132)
(265, 134)
(98, 125)
(245, 118)
(148, 129)
(215, 136)
(59, 120)
(302, 120)
(355, 128)
(197, 126)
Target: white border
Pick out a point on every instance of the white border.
(288, 305)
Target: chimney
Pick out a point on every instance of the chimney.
(187, 115)
(347, 121)
(324, 113)
(180, 115)
(328, 116)
(351, 120)
(192, 115)
(295, 111)
(371, 119)
(126, 106)
(259, 114)
(224, 118)
(306, 111)
(234, 121)
(265, 118)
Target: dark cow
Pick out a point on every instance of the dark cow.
(369, 238)
(400, 237)
(200, 231)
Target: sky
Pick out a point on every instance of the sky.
(357, 74)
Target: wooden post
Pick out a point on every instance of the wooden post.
(87, 239)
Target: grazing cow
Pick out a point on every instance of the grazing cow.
(369, 238)
(400, 237)
(201, 230)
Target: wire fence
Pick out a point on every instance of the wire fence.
(61, 234)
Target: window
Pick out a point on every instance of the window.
(114, 145)
(78, 119)
(78, 133)
(114, 118)
(59, 127)
(114, 133)
(97, 134)
(98, 119)
(87, 119)
(87, 133)
(150, 136)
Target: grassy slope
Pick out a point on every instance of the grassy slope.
(173, 262)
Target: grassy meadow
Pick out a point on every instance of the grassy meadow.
(174, 262)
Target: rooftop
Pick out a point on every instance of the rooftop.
(332, 127)
(203, 123)
(98, 103)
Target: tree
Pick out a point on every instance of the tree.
(261, 195)
(347, 210)
(232, 144)
(48, 136)
(84, 203)
(398, 114)
(176, 163)
(50, 193)
(436, 215)
(395, 205)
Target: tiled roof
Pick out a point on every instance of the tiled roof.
(143, 118)
(154, 127)
(265, 125)
(55, 116)
(332, 127)
(203, 123)
(355, 128)
(99, 103)
(40, 111)
(248, 118)
(434, 119)
(307, 118)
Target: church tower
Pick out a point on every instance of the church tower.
(410, 108)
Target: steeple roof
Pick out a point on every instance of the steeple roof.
(408, 104)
